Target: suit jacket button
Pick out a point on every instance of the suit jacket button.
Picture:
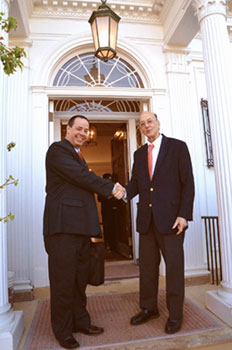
(150, 205)
(151, 189)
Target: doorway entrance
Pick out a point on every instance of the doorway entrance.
(106, 153)
(110, 151)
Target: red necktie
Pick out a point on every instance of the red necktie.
(149, 158)
(80, 155)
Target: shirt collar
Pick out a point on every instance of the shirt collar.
(157, 141)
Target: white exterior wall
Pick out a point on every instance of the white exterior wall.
(142, 46)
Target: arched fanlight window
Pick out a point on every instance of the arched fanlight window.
(88, 70)
(94, 105)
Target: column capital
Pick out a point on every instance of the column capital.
(206, 8)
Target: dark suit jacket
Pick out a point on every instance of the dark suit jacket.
(70, 204)
(170, 193)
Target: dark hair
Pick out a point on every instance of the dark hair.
(72, 120)
(156, 117)
(107, 176)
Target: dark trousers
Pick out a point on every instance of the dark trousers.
(151, 245)
(109, 228)
(68, 262)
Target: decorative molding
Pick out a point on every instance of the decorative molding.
(206, 8)
(196, 56)
(56, 56)
(100, 105)
(129, 11)
(20, 42)
(73, 91)
(175, 50)
(177, 61)
(131, 17)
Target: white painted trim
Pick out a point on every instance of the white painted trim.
(130, 120)
(74, 91)
(9, 340)
(222, 308)
(42, 86)
(55, 58)
(99, 116)
(173, 17)
(132, 146)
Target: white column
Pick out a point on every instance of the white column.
(11, 323)
(19, 165)
(51, 123)
(184, 126)
(131, 130)
(40, 138)
(217, 60)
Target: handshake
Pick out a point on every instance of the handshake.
(119, 191)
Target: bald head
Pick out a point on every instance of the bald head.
(149, 125)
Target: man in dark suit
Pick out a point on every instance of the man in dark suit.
(164, 209)
(70, 219)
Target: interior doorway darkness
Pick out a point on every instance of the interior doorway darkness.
(108, 155)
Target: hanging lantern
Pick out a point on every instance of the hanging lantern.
(104, 24)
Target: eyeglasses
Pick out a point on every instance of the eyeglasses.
(148, 122)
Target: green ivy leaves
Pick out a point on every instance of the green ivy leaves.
(10, 57)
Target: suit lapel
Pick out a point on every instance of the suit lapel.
(162, 154)
(72, 149)
(143, 160)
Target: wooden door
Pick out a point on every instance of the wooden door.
(120, 174)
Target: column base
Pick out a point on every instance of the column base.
(221, 307)
(9, 339)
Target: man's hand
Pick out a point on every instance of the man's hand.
(119, 191)
(181, 224)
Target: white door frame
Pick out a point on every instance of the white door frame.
(40, 143)
(130, 120)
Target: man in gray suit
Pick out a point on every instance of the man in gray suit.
(70, 219)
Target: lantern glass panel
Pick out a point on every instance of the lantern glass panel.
(95, 36)
(99, 55)
(113, 33)
(103, 30)
(104, 53)
(111, 54)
